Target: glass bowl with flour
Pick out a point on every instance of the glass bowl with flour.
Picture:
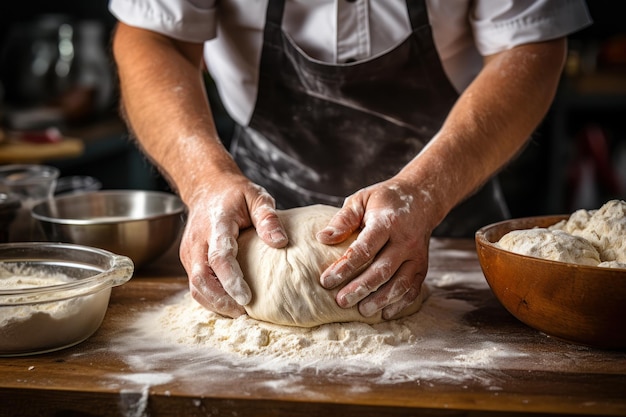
(54, 295)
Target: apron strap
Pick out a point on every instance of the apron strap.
(417, 13)
(274, 13)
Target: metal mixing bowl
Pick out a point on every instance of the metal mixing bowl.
(53, 295)
(577, 303)
(139, 224)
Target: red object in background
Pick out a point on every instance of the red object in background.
(50, 135)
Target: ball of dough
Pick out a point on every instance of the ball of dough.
(576, 222)
(285, 282)
(555, 245)
(605, 228)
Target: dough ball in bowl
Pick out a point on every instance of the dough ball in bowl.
(285, 282)
(555, 245)
(605, 228)
(563, 298)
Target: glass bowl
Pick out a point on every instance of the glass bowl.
(32, 183)
(54, 295)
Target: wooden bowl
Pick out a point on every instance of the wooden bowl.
(581, 304)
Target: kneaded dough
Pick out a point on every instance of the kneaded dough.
(605, 228)
(556, 245)
(285, 282)
(612, 264)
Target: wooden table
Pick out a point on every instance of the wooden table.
(524, 371)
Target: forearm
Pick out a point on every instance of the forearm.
(488, 125)
(165, 105)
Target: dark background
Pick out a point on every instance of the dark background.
(576, 159)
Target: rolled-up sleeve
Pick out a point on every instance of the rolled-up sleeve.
(186, 20)
(502, 24)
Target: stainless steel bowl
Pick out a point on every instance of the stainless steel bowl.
(139, 224)
(54, 295)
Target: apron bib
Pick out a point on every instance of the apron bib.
(320, 132)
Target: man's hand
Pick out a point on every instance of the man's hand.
(209, 248)
(385, 266)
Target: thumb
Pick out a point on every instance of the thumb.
(345, 222)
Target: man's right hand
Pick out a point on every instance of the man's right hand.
(209, 247)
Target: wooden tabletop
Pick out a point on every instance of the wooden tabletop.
(489, 364)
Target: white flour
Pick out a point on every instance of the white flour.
(187, 323)
(460, 337)
(424, 345)
(19, 313)
(43, 325)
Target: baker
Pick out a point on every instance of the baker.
(401, 113)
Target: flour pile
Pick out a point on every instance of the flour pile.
(186, 323)
(595, 238)
(423, 345)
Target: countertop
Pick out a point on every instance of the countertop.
(467, 356)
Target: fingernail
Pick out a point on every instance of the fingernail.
(278, 237)
(368, 309)
(351, 299)
(242, 299)
(327, 232)
(241, 294)
(330, 280)
(224, 305)
(391, 311)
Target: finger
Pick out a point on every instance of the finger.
(407, 299)
(391, 292)
(222, 258)
(266, 222)
(345, 222)
(358, 255)
(203, 284)
(206, 289)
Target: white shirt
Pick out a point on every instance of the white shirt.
(336, 31)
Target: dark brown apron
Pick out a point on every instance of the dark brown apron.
(320, 132)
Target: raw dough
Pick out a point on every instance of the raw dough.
(555, 245)
(612, 264)
(605, 228)
(285, 282)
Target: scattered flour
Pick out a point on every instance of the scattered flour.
(461, 339)
(434, 343)
(461, 336)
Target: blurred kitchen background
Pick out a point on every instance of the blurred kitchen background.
(57, 81)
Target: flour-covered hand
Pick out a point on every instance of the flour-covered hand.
(209, 248)
(383, 269)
